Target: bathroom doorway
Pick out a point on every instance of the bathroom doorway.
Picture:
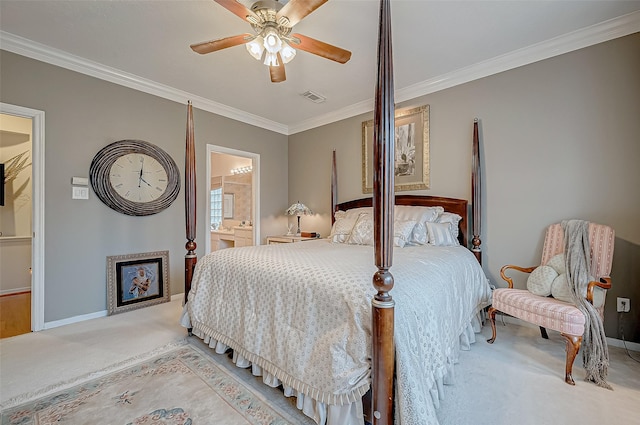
(233, 198)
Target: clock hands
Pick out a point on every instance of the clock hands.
(140, 179)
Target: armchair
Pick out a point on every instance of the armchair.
(551, 313)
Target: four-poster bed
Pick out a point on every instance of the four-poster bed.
(305, 316)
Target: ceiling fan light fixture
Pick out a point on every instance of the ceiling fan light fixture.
(272, 42)
(271, 59)
(287, 53)
(255, 47)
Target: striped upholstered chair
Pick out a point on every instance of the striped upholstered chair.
(551, 313)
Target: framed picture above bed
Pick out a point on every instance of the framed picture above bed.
(137, 280)
(411, 163)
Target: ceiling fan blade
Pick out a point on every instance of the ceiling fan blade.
(296, 10)
(277, 72)
(223, 43)
(320, 48)
(236, 8)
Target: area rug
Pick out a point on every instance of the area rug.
(181, 386)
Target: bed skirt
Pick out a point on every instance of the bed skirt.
(351, 412)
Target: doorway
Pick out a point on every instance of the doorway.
(34, 233)
(233, 192)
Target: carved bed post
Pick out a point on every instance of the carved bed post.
(383, 356)
(476, 193)
(190, 259)
(334, 187)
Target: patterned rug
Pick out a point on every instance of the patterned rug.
(181, 386)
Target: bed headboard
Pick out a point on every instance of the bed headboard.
(456, 206)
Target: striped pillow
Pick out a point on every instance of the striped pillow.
(440, 234)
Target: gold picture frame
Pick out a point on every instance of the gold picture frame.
(137, 280)
(411, 164)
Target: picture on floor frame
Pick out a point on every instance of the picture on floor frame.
(137, 280)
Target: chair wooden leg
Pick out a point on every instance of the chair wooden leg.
(543, 333)
(492, 318)
(573, 346)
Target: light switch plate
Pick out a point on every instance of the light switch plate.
(80, 193)
(80, 181)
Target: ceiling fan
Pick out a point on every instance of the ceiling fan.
(272, 40)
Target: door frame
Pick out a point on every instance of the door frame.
(37, 217)
(255, 190)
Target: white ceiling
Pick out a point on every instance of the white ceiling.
(436, 44)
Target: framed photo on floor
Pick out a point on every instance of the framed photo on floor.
(137, 280)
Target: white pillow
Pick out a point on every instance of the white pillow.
(402, 230)
(362, 232)
(341, 228)
(560, 289)
(454, 219)
(416, 213)
(540, 280)
(440, 234)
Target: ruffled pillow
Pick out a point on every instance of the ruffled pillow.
(402, 230)
(342, 227)
(440, 234)
(362, 232)
(454, 219)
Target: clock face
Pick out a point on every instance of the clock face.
(138, 177)
(134, 177)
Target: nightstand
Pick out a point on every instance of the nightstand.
(286, 239)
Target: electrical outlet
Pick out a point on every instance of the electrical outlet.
(624, 305)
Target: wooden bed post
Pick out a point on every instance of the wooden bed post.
(334, 188)
(476, 193)
(190, 259)
(383, 347)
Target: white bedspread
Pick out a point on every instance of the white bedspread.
(302, 312)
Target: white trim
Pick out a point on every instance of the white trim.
(598, 33)
(75, 319)
(255, 189)
(631, 346)
(83, 317)
(37, 187)
(31, 49)
(15, 290)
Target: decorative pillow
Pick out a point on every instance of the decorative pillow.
(541, 280)
(454, 219)
(362, 233)
(402, 230)
(560, 289)
(419, 234)
(341, 228)
(557, 263)
(420, 215)
(440, 234)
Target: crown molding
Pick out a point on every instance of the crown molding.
(598, 33)
(585, 37)
(25, 47)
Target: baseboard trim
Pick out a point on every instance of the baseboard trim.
(83, 317)
(613, 342)
(15, 291)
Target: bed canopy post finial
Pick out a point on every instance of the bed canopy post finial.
(190, 259)
(476, 193)
(383, 347)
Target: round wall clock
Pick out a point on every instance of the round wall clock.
(134, 177)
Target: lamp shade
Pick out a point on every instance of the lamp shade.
(299, 209)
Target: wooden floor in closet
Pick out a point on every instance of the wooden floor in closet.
(15, 314)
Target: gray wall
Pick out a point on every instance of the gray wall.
(560, 139)
(82, 115)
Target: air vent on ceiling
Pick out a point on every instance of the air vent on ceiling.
(314, 97)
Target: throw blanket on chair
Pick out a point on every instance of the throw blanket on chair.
(595, 353)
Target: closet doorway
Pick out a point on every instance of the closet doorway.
(233, 198)
(22, 221)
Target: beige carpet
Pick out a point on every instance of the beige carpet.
(518, 379)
